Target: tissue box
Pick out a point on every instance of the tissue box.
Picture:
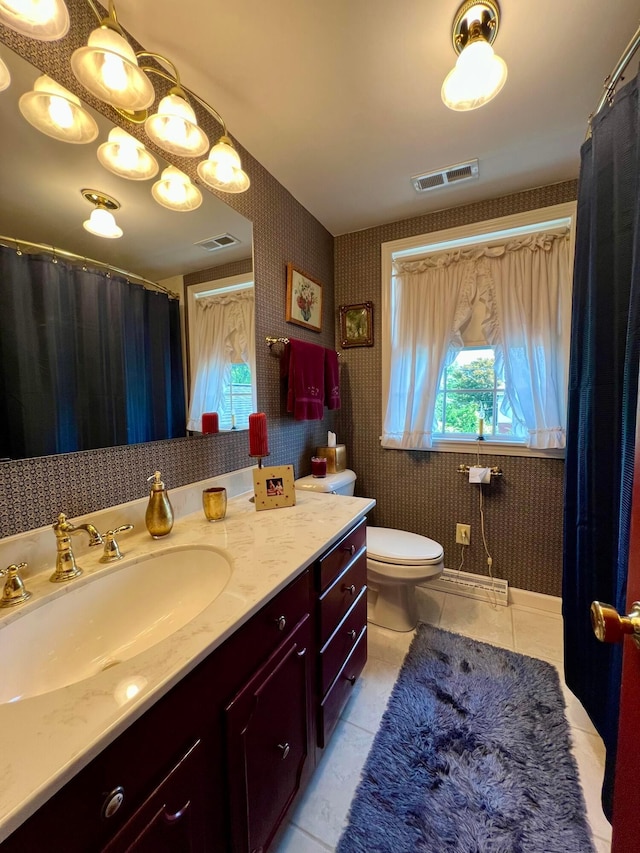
(336, 458)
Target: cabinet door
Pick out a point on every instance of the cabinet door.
(173, 818)
(269, 742)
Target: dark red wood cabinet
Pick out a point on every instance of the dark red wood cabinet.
(217, 762)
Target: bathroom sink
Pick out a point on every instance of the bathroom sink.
(108, 619)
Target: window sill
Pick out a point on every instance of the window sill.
(491, 447)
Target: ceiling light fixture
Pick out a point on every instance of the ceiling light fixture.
(127, 157)
(222, 169)
(101, 223)
(5, 76)
(53, 110)
(108, 67)
(479, 74)
(45, 20)
(175, 191)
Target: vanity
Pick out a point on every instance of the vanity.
(203, 740)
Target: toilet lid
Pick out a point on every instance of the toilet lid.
(399, 546)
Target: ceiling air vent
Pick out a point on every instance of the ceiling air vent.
(222, 241)
(443, 177)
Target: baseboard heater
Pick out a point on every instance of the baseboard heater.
(472, 586)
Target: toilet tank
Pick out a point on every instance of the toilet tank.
(338, 484)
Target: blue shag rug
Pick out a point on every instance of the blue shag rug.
(472, 756)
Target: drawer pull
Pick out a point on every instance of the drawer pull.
(351, 589)
(285, 750)
(350, 548)
(176, 816)
(352, 634)
(281, 622)
(351, 679)
(113, 801)
(302, 652)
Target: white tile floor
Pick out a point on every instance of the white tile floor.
(317, 821)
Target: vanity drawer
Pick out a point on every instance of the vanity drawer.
(341, 690)
(339, 646)
(331, 564)
(338, 599)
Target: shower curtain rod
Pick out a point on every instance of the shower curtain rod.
(612, 80)
(18, 245)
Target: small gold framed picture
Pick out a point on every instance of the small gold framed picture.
(304, 299)
(274, 487)
(356, 325)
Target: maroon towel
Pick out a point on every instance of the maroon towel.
(303, 364)
(331, 379)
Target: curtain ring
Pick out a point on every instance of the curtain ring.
(18, 249)
(54, 259)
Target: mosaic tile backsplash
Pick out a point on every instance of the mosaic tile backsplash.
(422, 492)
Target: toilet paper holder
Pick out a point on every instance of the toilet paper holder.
(495, 471)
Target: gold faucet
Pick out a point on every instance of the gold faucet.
(14, 591)
(66, 567)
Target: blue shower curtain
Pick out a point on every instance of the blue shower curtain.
(603, 386)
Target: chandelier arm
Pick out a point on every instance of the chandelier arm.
(207, 106)
(175, 79)
(95, 11)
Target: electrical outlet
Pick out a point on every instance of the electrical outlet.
(463, 534)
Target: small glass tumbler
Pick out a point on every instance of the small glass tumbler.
(318, 466)
(214, 503)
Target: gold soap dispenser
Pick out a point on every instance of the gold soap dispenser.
(159, 514)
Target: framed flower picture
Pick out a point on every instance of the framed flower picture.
(304, 299)
(356, 325)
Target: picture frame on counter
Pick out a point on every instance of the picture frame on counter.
(274, 487)
(304, 299)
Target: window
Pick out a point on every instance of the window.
(472, 390)
(476, 329)
(237, 397)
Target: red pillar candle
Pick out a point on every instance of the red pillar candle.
(210, 422)
(258, 439)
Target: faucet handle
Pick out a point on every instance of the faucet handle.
(14, 591)
(111, 548)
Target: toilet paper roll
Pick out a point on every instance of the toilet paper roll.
(479, 475)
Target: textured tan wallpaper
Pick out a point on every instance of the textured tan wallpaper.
(422, 491)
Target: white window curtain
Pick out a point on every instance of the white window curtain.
(526, 285)
(431, 299)
(224, 334)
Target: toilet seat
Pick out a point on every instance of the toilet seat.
(399, 547)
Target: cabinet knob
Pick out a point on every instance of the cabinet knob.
(113, 801)
(285, 750)
(281, 622)
(350, 589)
(352, 634)
(351, 679)
(350, 548)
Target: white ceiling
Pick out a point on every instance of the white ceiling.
(340, 99)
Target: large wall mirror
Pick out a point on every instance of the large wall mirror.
(206, 252)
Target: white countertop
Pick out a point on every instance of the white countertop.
(45, 740)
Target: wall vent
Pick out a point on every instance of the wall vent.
(443, 177)
(222, 241)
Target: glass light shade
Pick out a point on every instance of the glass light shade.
(53, 110)
(127, 157)
(222, 170)
(45, 20)
(108, 68)
(102, 224)
(175, 128)
(175, 191)
(5, 76)
(478, 76)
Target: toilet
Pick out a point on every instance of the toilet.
(396, 561)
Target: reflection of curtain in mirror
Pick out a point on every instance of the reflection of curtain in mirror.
(224, 330)
(85, 361)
